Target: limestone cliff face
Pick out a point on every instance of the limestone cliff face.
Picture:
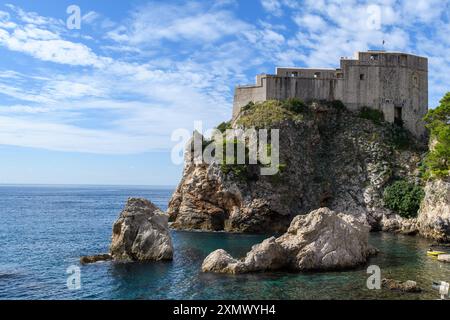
(332, 159)
(434, 214)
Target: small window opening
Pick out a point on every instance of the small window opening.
(398, 116)
(374, 57)
(294, 74)
(361, 76)
(317, 75)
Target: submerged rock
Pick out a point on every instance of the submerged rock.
(95, 259)
(321, 240)
(434, 213)
(141, 233)
(395, 285)
(444, 257)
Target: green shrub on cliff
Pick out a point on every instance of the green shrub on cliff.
(401, 137)
(224, 126)
(376, 116)
(437, 162)
(230, 164)
(295, 105)
(404, 198)
(337, 104)
(267, 113)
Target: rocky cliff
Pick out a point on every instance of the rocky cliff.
(434, 215)
(330, 158)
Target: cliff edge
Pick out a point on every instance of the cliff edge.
(329, 157)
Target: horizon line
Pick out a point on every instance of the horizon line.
(87, 185)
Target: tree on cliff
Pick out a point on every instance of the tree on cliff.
(437, 162)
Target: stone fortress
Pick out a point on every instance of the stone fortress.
(394, 83)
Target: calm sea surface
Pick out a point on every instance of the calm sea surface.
(45, 229)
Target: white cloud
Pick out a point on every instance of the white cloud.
(90, 17)
(272, 6)
(192, 22)
(48, 46)
(311, 22)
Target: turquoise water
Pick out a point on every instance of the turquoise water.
(46, 229)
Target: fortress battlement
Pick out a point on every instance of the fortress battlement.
(394, 83)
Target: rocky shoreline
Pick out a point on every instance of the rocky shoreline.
(321, 240)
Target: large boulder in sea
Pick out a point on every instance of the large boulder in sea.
(434, 213)
(321, 240)
(141, 233)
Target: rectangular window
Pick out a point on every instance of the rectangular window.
(398, 116)
(361, 76)
(317, 75)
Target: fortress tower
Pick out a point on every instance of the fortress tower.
(394, 83)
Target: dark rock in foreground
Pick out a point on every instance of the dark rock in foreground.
(395, 285)
(95, 259)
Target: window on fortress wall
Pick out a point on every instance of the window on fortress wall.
(374, 57)
(362, 76)
(317, 75)
(403, 59)
(339, 75)
(294, 74)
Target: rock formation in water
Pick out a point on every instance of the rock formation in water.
(330, 158)
(141, 233)
(434, 215)
(321, 240)
(395, 285)
(95, 259)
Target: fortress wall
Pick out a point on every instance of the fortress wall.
(306, 72)
(244, 95)
(357, 92)
(281, 88)
(390, 82)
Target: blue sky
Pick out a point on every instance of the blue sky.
(98, 105)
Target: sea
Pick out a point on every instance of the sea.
(44, 230)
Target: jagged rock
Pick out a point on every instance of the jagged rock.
(332, 159)
(444, 257)
(434, 213)
(141, 233)
(407, 286)
(219, 261)
(321, 240)
(95, 259)
(397, 224)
